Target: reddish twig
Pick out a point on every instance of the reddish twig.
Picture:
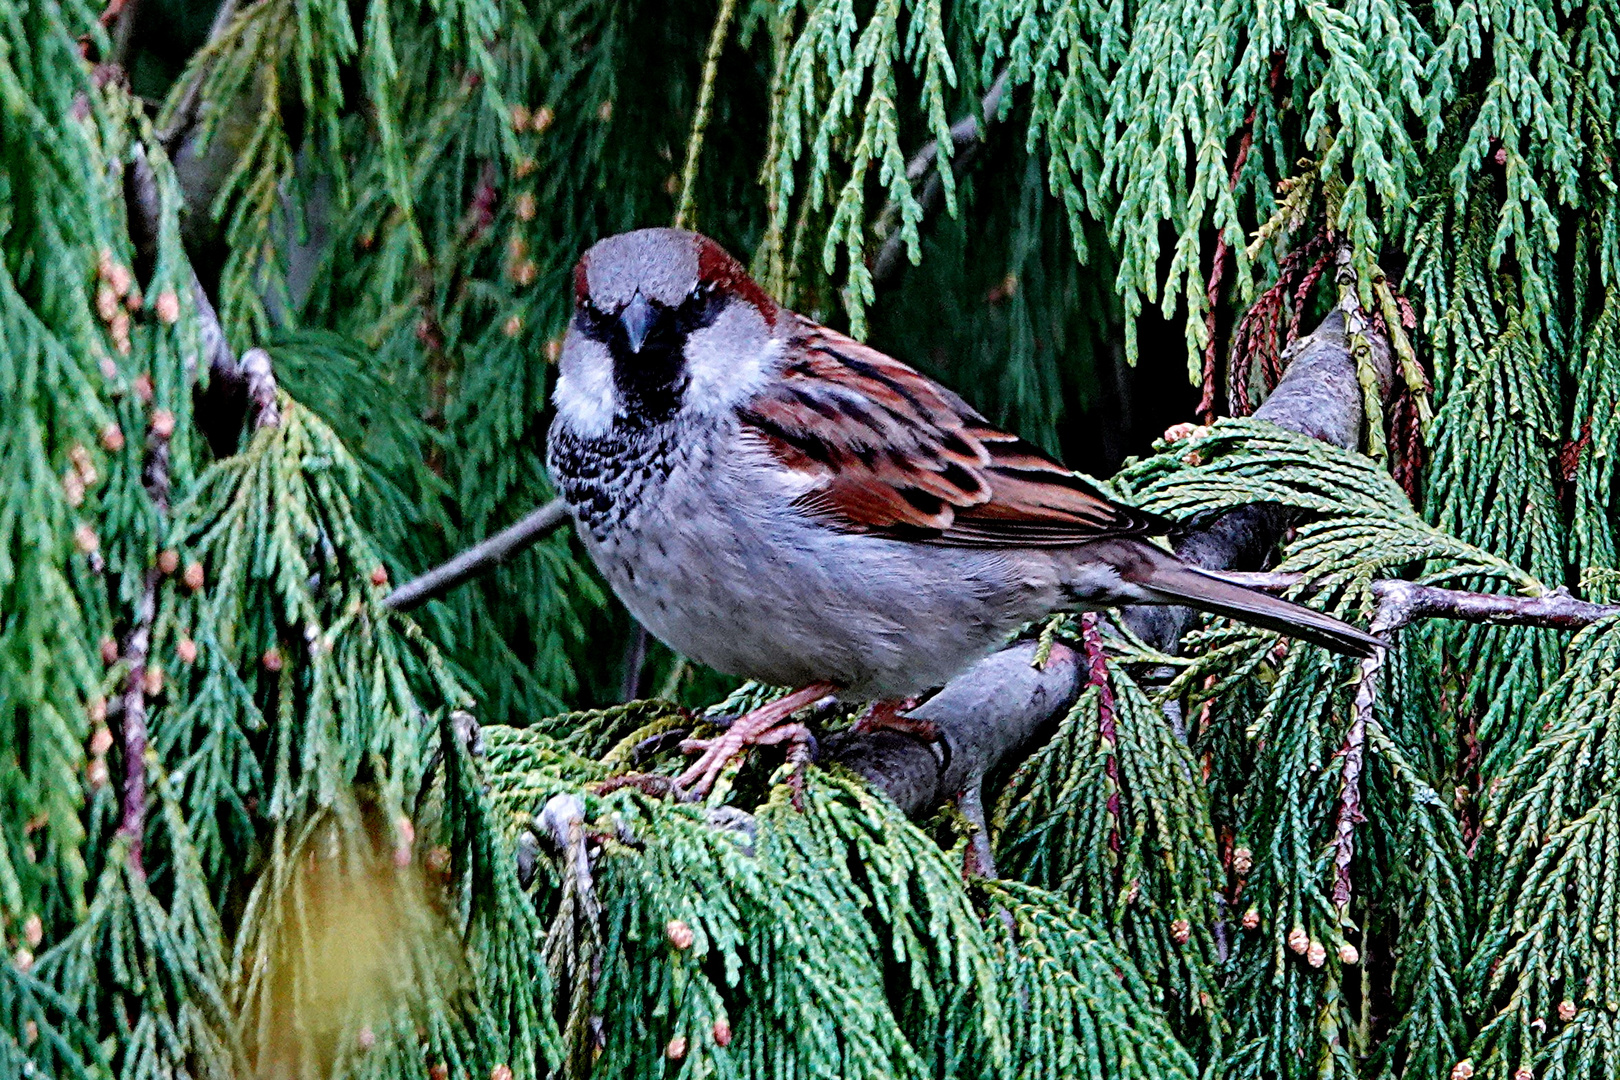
(132, 823)
(1206, 404)
(1258, 334)
(1107, 732)
(137, 647)
(1355, 743)
(1318, 243)
(1406, 443)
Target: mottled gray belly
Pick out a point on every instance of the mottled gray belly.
(778, 598)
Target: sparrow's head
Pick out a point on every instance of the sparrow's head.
(665, 323)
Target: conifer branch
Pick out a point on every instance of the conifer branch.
(1401, 603)
(253, 373)
(185, 110)
(479, 558)
(700, 116)
(967, 135)
(1320, 396)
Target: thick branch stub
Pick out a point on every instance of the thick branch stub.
(985, 716)
(260, 379)
(1319, 396)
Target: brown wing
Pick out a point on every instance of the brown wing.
(896, 452)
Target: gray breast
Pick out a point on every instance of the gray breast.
(705, 547)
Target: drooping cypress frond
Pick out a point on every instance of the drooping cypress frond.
(1109, 815)
(1249, 859)
(1544, 970)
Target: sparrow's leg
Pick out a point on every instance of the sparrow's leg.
(750, 729)
(892, 716)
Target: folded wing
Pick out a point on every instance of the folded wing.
(894, 452)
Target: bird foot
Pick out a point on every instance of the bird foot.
(765, 726)
(891, 716)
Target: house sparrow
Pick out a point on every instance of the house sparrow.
(783, 503)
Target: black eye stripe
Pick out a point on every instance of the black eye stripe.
(593, 322)
(699, 309)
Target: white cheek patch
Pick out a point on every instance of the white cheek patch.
(585, 396)
(729, 361)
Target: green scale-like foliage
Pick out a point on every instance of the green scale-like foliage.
(1546, 970)
(290, 719)
(819, 934)
(390, 197)
(1139, 863)
(1273, 737)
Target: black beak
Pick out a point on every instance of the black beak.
(637, 318)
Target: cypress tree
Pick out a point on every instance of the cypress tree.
(281, 287)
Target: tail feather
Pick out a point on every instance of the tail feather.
(1182, 584)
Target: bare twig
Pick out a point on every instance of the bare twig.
(1405, 602)
(121, 16)
(573, 945)
(480, 558)
(967, 135)
(1401, 603)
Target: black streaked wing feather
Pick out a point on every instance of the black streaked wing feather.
(897, 453)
